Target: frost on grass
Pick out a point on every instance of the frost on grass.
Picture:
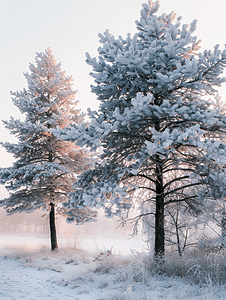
(105, 275)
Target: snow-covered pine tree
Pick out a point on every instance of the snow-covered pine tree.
(45, 167)
(158, 132)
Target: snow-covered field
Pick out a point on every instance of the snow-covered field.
(30, 271)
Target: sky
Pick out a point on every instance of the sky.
(70, 28)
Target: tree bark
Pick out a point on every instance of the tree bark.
(52, 228)
(159, 205)
(223, 229)
(159, 214)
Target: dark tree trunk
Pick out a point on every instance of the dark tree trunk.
(159, 213)
(223, 229)
(159, 206)
(52, 228)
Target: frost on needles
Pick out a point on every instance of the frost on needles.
(45, 167)
(162, 139)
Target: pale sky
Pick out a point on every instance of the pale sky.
(70, 28)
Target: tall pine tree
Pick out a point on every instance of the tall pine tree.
(158, 133)
(45, 167)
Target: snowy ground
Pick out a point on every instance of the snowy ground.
(20, 282)
(30, 271)
(119, 244)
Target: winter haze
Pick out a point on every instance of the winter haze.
(70, 29)
(109, 269)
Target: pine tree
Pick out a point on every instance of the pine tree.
(45, 167)
(158, 132)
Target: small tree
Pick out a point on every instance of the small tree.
(45, 167)
(180, 227)
(158, 132)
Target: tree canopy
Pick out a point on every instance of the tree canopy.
(157, 126)
(45, 167)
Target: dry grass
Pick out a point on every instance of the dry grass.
(134, 277)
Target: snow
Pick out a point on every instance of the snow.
(111, 268)
(20, 282)
(119, 244)
(29, 270)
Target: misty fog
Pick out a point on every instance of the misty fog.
(103, 234)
